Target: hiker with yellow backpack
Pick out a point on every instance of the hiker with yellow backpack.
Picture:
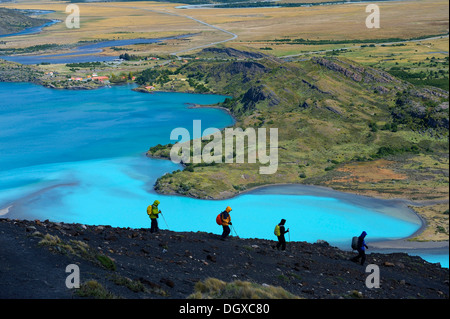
(279, 232)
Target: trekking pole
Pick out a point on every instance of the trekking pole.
(289, 239)
(234, 231)
(165, 221)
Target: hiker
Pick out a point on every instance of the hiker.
(152, 212)
(361, 248)
(279, 232)
(226, 221)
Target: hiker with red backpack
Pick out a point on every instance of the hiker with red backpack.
(279, 232)
(224, 219)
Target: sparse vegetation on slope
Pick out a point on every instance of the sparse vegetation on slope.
(179, 265)
(212, 288)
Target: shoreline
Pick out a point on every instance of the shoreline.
(383, 246)
(398, 245)
(188, 104)
(402, 244)
(211, 106)
(4, 211)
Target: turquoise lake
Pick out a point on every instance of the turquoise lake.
(79, 156)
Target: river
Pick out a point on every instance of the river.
(33, 30)
(86, 52)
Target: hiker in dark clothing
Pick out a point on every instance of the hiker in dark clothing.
(281, 240)
(361, 248)
(226, 221)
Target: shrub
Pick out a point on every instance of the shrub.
(93, 289)
(133, 285)
(50, 240)
(217, 289)
(106, 262)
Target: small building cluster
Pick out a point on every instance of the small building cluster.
(91, 77)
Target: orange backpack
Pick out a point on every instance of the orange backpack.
(219, 219)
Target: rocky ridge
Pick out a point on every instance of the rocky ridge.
(133, 263)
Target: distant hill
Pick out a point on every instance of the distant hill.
(13, 21)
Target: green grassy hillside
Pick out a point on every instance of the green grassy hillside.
(329, 113)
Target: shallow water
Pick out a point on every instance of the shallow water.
(78, 156)
(31, 30)
(441, 258)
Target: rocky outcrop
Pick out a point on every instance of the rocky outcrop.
(314, 87)
(355, 72)
(422, 108)
(233, 53)
(134, 263)
(247, 68)
(257, 94)
(240, 72)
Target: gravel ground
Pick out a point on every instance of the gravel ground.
(166, 265)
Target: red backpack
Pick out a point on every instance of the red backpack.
(219, 219)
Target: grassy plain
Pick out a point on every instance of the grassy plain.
(402, 19)
(107, 21)
(438, 222)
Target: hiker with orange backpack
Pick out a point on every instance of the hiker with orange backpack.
(279, 232)
(225, 219)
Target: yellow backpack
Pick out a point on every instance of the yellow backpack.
(277, 231)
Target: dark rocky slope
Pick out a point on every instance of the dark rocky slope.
(168, 264)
